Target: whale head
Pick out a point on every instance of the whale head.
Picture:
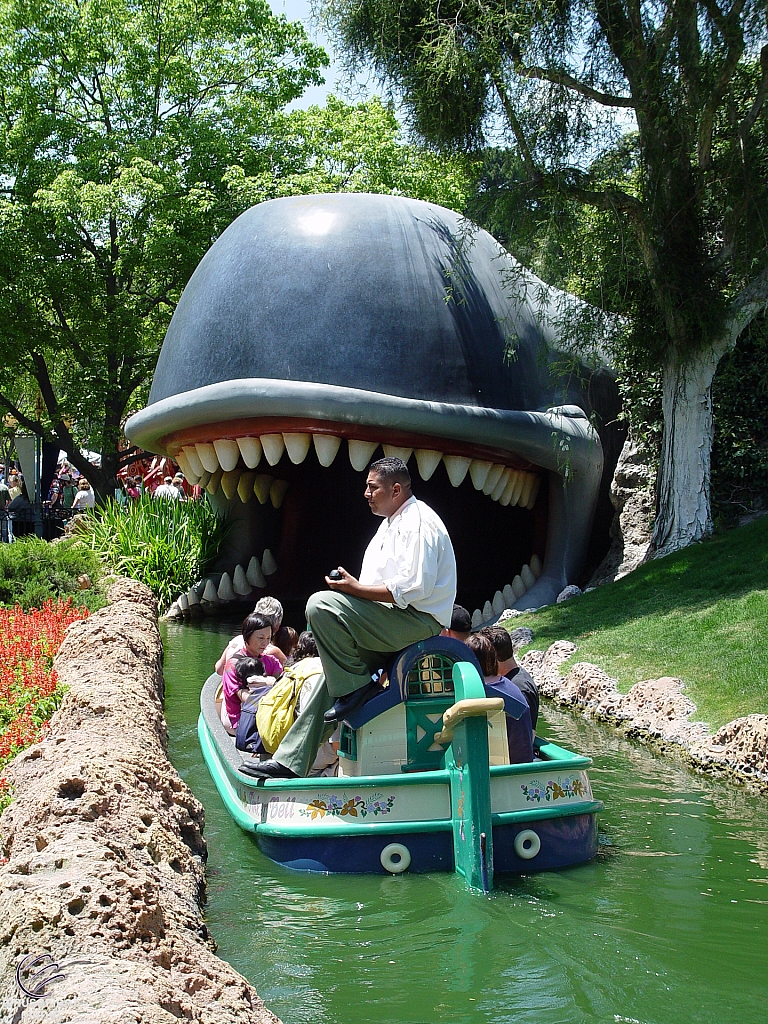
(321, 332)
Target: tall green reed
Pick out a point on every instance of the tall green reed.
(168, 545)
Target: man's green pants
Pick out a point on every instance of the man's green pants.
(351, 637)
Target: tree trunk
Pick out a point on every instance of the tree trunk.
(683, 483)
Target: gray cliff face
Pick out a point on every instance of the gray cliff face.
(102, 848)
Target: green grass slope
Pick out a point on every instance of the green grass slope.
(700, 614)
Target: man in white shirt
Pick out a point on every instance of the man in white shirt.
(166, 490)
(405, 593)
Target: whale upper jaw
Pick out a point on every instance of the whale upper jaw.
(558, 443)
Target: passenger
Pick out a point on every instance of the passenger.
(307, 661)
(505, 652)
(461, 624)
(273, 610)
(519, 730)
(285, 639)
(253, 685)
(255, 637)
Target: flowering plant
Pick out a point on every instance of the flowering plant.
(29, 689)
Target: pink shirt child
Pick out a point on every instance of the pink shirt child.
(230, 683)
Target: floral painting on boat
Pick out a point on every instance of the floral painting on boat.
(336, 806)
(567, 788)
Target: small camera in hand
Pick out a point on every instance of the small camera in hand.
(335, 575)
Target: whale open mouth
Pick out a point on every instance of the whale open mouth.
(288, 465)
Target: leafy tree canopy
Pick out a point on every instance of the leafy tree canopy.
(634, 169)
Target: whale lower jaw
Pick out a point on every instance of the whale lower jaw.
(516, 489)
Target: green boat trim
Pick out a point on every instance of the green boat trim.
(539, 813)
(341, 828)
(221, 778)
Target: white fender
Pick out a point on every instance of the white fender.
(395, 858)
(527, 844)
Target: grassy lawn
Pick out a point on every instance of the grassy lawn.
(701, 614)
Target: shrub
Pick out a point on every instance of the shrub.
(33, 571)
(168, 545)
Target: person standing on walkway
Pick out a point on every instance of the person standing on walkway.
(405, 593)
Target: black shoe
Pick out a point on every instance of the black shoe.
(267, 770)
(350, 702)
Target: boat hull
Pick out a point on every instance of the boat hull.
(390, 823)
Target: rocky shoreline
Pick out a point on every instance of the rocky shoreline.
(657, 712)
(102, 850)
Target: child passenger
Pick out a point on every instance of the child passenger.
(307, 665)
(519, 730)
(256, 635)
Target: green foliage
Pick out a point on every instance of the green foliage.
(168, 545)
(740, 448)
(119, 121)
(344, 147)
(698, 614)
(33, 571)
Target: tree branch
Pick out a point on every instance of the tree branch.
(530, 164)
(762, 91)
(752, 301)
(707, 123)
(560, 77)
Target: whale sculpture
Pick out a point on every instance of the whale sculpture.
(320, 332)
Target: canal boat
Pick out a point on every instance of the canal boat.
(424, 783)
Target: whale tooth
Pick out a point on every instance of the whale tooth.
(477, 618)
(456, 467)
(192, 597)
(536, 566)
(240, 583)
(297, 446)
(254, 575)
(518, 587)
(479, 470)
(250, 449)
(498, 604)
(207, 455)
(185, 467)
(527, 577)
(427, 461)
(229, 482)
(503, 480)
(274, 446)
(261, 486)
(225, 591)
(509, 596)
(493, 478)
(392, 451)
(245, 485)
(268, 563)
(487, 611)
(534, 493)
(515, 496)
(508, 493)
(174, 612)
(209, 593)
(525, 492)
(202, 483)
(277, 492)
(183, 603)
(194, 460)
(360, 453)
(326, 446)
(228, 453)
(213, 484)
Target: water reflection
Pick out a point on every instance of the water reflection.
(667, 925)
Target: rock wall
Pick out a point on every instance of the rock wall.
(655, 711)
(102, 850)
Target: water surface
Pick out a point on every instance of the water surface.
(669, 925)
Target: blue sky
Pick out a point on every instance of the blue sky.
(335, 81)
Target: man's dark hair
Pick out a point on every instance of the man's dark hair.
(461, 620)
(391, 471)
(484, 652)
(501, 641)
(253, 622)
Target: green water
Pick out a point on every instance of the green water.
(669, 924)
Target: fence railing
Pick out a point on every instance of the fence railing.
(48, 521)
